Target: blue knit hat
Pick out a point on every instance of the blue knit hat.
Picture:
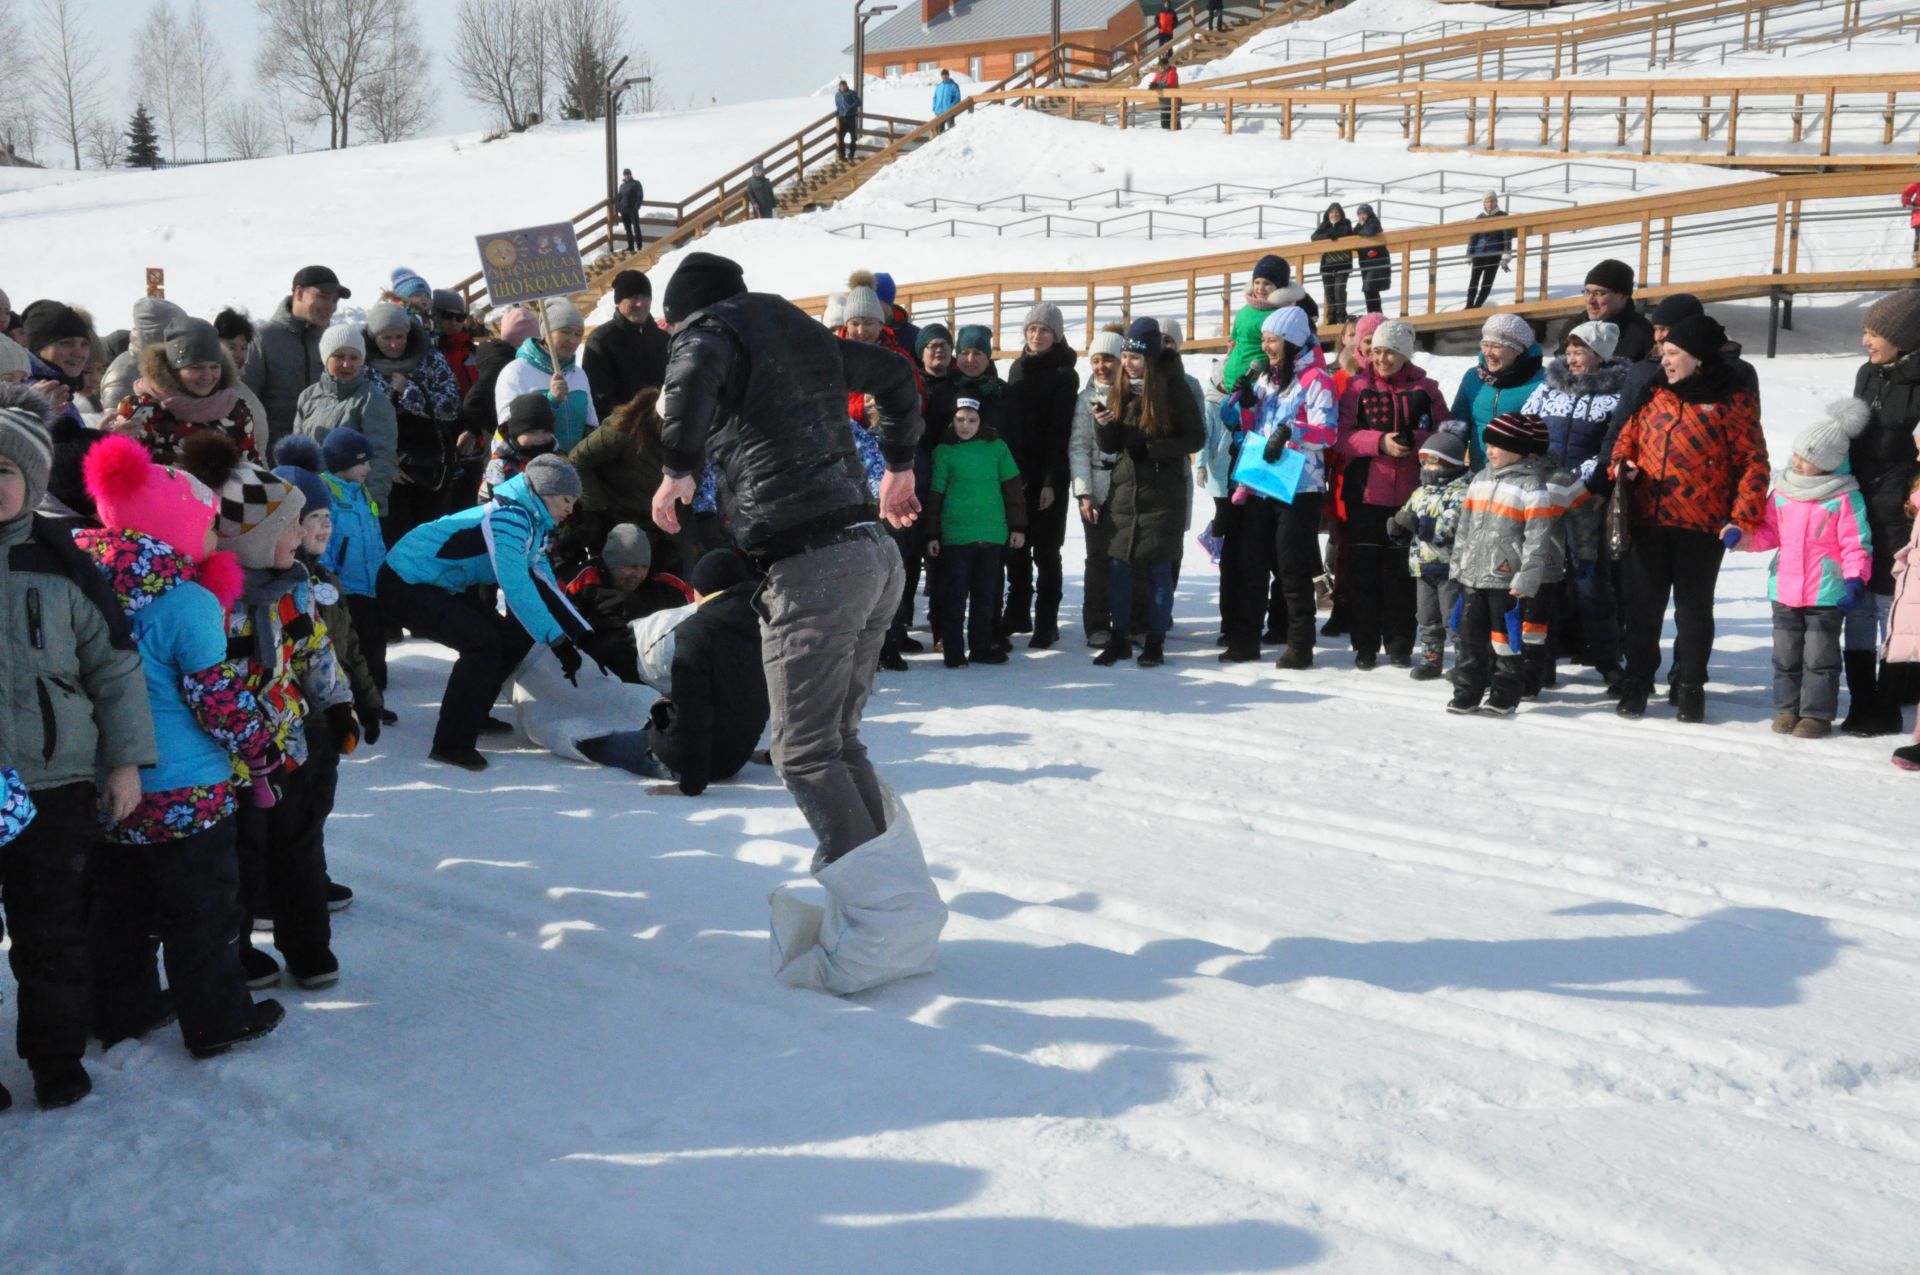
(312, 488)
(408, 284)
(1143, 337)
(344, 448)
(883, 285)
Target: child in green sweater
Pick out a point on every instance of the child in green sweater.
(977, 508)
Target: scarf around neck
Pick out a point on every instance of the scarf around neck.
(1817, 487)
(193, 409)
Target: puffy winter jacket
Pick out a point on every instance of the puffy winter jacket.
(1882, 456)
(72, 699)
(1043, 388)
(357, 548)
(618, 475)
(622, 358)
(1372, 409)
(362, 404)
(283, 360)
(160, 414)
(1431, 518)
(1484, 395)
(1910, 198)
(1577, 409)
(846, 103)
(719, 705)
(1903, 622)
(1340, 261)
(1245, 350)
(503, 543)
(1702, 457)
(1636, 333)
(1646, 375)
(426, 411)
(1508, 532)
(777, 426)
(531, 372)
(976, 497)
(1090, 467)
(1822, 544)
(1307, 404)
(946, 96)
(1489, 245)
(1150, 481)
(275, 637)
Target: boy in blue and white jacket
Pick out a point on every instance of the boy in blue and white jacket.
(356, 549)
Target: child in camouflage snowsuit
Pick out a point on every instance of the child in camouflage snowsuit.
(1428, 521)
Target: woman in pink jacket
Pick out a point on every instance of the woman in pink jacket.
(1817, 520)
(1903, 621)
(1389, 409)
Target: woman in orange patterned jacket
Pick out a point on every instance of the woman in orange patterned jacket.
(1695, 467)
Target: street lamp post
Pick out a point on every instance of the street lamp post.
(614, 87)
(1053, 57)
(861, 16)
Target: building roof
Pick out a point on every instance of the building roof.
(971, 22)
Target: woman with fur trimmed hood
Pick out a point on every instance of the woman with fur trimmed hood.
(187, 385)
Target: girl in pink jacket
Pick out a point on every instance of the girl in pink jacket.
(1816, 519)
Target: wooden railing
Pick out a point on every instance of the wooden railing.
(1642, 231)
(1553, 105)
(1068, 63)
(1488, 52)
(721, 200)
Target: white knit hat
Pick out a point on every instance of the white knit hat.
(836, 311)
(1171, 331)
(1105, 343)
(1509, 330)
(1396, 335)
(1826, 443)
(864, 303)
(1600, 337)
(342, 336)
(13, 358)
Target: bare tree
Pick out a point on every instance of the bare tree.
(585, 39)
(646, 97)
(393, 103)
(206, 72)
(104, 142)
(158, 59)
(246, 130)
(66, 72)
(499, 56)
(322, 52)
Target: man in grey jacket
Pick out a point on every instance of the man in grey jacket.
(286, 357)
(151, 315)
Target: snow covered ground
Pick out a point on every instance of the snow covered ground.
(1247, 971)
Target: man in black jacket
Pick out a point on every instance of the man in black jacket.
(627, 198)
(627, 353)
(708, 728)
(763, 386)
(1608, 298)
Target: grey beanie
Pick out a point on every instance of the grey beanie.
(1509, 330)
(562, 313)
(627, 546)
(1445, 445)
(152, 316)
(863, 303)
(342, 336)
(384, 317)
(1896, 318)
(1172, 331)
(24, 437)
(552, 476)
(13, 357)
(1047, 315)
(1825, 444)
(190, 340)
(1396, 335)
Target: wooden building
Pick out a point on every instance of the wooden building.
(988, 40)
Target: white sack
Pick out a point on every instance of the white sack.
(653, 636)
(557, 715)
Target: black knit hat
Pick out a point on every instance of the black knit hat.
(1517, 433)
(1681, 305)
(1143, 337)
(631, 283)
(1274, 269)
(1896, 318)
(719, 569)
(703, 279)
(529, 413)
(928, 334)
(50, 321)
(1614, 276)
(1701, 336)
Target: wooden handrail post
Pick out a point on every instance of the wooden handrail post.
(1706, 113)
(1520, 265)
(1406, 278)
(1419, 114)
(1433, 279)
(1826, 127)
(1646, 143)
(1733, 121)
(1622, 114)
(1779, 234)
(1666, 251)
(1887, 138)
(1566, 121)
(1646, 243)
(1799, 115)
(1793, 240)
(1493, 116)
(1546, 118)
(1353, 119)
(1193, 294)
(1546, 259)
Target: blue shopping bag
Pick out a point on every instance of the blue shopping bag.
(1279, 480)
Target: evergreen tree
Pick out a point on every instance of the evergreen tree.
(143, 141)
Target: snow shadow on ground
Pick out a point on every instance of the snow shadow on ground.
(856, 1214)
(1735, 958)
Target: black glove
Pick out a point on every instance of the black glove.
(569, 656)
(369, 722)
(1277, 443)
(345, 727)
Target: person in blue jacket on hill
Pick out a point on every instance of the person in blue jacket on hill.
(846, 115)
(425, 578)
(1506, 376)
(946, 96)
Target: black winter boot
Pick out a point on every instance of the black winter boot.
(6, 1099)
(1295, 657)
(1692, 703)
(1907, 758)
(1633, 699)
(266, 1016)
(1239, 654)
(60, 1082)
(1155, 654)
(1866, 715)
(1120, 648)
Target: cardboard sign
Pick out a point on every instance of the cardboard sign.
(156, 281)
(532, 263)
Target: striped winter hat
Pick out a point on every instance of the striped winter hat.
(25, 439)
(1518, 433)
(255, 508)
